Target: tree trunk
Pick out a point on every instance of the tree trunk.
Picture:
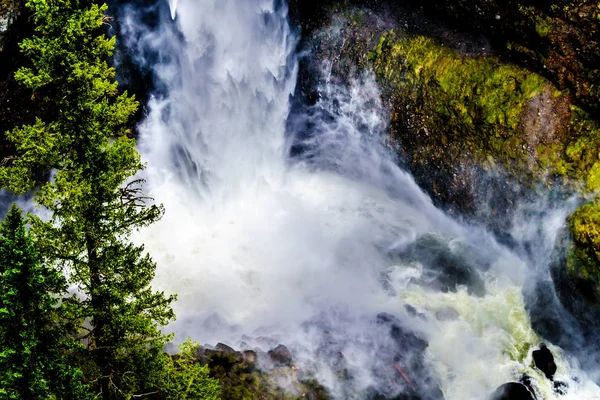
(100, 345)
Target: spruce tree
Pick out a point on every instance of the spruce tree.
(81, 134)
(34, 346)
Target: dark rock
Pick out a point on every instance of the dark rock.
(512, 391)
(560, 388)
(404, 358)
(445, 268)
(224, 348)
(544, 360)
(410, 310)
(280, 355)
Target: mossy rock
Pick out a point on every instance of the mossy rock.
(242, 379)
(453, 115)
(556, 38)
(483, 112)
(457, 116)
(559, 39)
(583, 257)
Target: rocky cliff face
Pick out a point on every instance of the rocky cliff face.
(558, 39)
(489, 100)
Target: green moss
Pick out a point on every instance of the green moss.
(477, 102)
(581, 156)
(583, 259)
(543, 26)
(242, 380)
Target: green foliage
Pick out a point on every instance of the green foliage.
(581, 152)
(583, 261)
(82, 134)
(34, 345)
(184, 378)
(70, 75)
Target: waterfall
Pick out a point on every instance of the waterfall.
(258, 243)
(173, 7)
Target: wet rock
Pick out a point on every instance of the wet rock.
(281, 355)
(410, 310)
(512, 391)
(402, 362)
(241, 377)
(560, 388)
(544, 360)
(224, 348)
(446, 267)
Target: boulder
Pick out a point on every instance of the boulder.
(280, 355)
(561, 388)
(224, 348)
(402, 361)
(544, 360)
(446, 266)
(512, 391)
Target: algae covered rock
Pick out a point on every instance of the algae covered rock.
(583, 257)
(452, 114)
(251, 375)
(558, 38)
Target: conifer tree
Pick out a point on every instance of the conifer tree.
(34, 346)
(81, 134)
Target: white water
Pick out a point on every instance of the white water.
(257, 244)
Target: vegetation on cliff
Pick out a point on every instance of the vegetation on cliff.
(559, 39)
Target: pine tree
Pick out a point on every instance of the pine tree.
(185, 379)
(34, 345)
(81, 133)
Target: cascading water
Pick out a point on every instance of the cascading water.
(256, 243)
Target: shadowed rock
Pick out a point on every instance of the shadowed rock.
(544, 360)
(280, 355)
(512, 391)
